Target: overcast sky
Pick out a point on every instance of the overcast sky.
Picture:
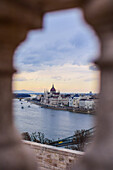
(61, 53)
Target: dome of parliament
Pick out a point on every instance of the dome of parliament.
(53, 89)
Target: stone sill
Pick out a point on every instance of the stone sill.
(56, 149)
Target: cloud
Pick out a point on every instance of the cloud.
(93, 68)
(57, 77)
(19, 79)
(90, 79)
(65, 39)
(67, 78)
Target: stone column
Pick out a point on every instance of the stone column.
(16, 19)
(13, 154)
(99, 14)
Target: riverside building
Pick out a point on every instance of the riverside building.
(86, 101)
(54, 98)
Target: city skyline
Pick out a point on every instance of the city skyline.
(61, 53)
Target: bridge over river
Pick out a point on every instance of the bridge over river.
(80, 137)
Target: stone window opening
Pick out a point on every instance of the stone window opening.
(17, 18)
(85, 32)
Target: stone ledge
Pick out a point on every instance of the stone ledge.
(48, 147)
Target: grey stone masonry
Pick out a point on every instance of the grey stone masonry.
(53, 158)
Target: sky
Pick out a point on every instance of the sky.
(62, 53)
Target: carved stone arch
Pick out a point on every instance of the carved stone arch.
(17, 17)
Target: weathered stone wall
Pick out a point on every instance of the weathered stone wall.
(53, 158)
(17, 17)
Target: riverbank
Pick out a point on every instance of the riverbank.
(64, 108)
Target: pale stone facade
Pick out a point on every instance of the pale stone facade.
(76, 101)
(86, 104)
(71, 102)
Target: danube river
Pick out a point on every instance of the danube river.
(53, 123)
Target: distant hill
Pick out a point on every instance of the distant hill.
(23, 91)
(21, 95)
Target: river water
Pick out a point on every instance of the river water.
(53, 123)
